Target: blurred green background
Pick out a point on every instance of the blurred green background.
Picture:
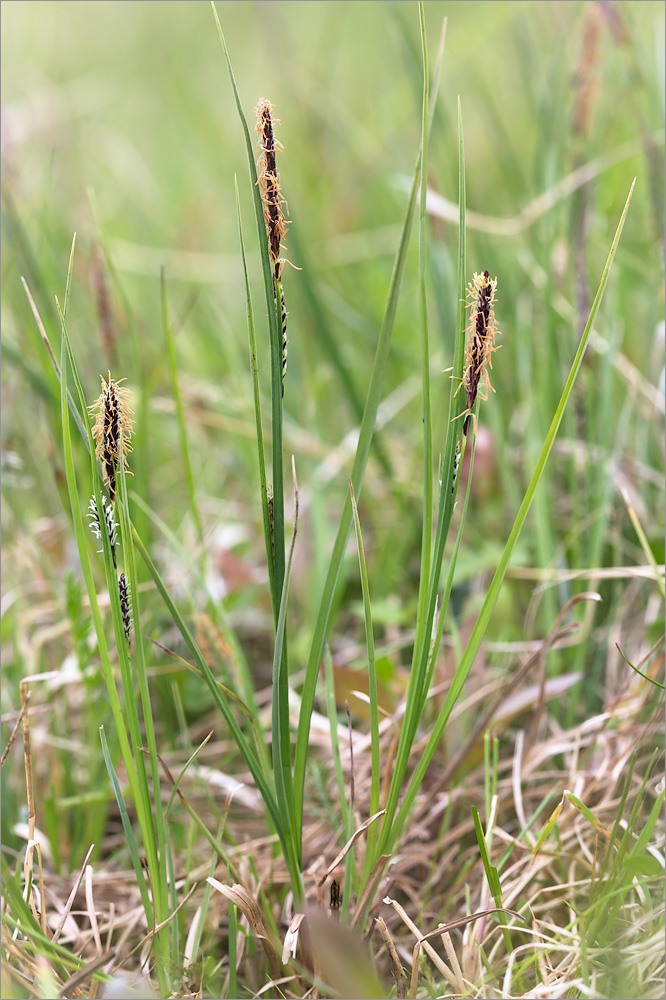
(128, 107)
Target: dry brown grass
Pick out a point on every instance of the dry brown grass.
(426, 900)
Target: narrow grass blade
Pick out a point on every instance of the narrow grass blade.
(193, 756)
(196, 930)
(281, 733)
(426, 540)
(492, 878)
(226, 691)
(645, 545)
(268, 533)
(56, 367)
(375, 772)
(448, 586)
(217, 612)
(249, 755)
(358, 471)
(417, 689)
(345, 812)
(335, 743)
(159, 880)
(586, 812)
(127, 826)
(646, 677)
(272, 307)
(647, 828)
(496, 583)
(23, 919)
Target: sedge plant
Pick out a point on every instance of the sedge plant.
(281, 766)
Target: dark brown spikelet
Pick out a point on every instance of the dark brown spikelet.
(283, 326)
(112, 430)
(125, 605)
(336, 895)
(271, 521)
(269, 182)
(482, 331)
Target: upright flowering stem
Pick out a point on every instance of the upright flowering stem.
(276, 228)
(112, 432)
(276, 225)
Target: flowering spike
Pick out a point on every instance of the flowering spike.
(109, 523)
(283, 325)
(456, 466)
(482, 331)
(269, 183)
(271, 524)
(125, 605)
(112, 430)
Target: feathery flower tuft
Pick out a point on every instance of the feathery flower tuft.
(125, 605)
(109, 523)
(113, 429)
(482, 331)
(269, 183)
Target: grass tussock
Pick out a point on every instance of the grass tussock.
(354, 689)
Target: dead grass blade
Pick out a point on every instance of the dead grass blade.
(350, 843)
(248, 905)
(92, 915)
(369, 889)
(421, 940)
(397, 971)
(68, 988)
(72, 896)
(14, 733)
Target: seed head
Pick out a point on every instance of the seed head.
(125, 605)
(113, 429)
(482, 331)
(269, 183)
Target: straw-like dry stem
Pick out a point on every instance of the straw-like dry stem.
(112, 430)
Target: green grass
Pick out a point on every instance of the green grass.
(340, 635)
